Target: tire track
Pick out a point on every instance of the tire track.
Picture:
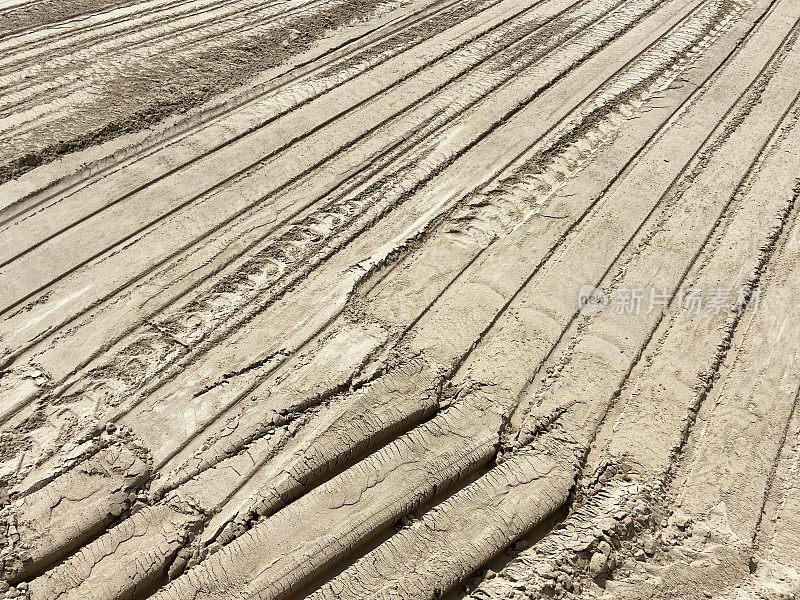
(260, 511)
(240, 59)
(197, 586)
(718, 136)
(153, 46)
(138, 11)
(251, 165)
(19, 57)
(711, 340)
(96, 11)
(338, 400)
(632, 459)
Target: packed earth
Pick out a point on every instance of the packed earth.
(399, 299)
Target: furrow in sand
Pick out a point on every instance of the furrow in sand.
(778, 538)
(350, 360)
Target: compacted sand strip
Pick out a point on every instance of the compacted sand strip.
(429, 556)
(324, 525)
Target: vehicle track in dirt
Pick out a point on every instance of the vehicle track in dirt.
(321, 337)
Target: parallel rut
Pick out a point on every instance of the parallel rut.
(321, 336)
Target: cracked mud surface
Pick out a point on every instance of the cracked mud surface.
(344, 300)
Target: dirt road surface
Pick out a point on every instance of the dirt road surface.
(399, 299)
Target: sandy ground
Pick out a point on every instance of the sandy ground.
(362, 299)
